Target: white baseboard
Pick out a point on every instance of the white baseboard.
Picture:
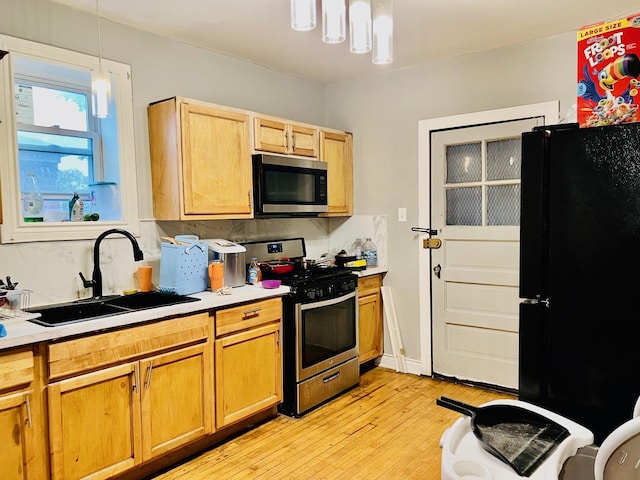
(387, 361)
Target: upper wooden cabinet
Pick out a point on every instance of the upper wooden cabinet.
(336, 148)
(279, 136)
(200, 161)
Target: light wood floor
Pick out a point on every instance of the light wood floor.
(387, 428)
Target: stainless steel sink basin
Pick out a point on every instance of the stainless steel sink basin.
(91, 309)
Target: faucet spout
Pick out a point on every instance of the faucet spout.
(96, 278)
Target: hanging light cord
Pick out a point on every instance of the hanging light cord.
(99, 36)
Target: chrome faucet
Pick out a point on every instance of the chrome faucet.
(96, 279)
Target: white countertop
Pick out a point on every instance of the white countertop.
(23, 332)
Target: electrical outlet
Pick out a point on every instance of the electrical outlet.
(402, 214)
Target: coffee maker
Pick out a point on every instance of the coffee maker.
(232, 255)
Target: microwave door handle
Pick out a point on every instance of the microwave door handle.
(327, 303)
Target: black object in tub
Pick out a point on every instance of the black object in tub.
(519, 437)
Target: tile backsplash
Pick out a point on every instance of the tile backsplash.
(50, 269)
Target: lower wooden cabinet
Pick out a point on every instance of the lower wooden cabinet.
(107, 421)
(21, 421)
(248, 360)
(370, 327)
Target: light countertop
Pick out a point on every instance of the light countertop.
(23, 332)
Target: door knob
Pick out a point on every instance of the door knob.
(436, 270)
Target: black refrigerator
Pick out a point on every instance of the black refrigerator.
(579, 339)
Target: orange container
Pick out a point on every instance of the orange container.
(216, 275)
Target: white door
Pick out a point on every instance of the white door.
(473, 185)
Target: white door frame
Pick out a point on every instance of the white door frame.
(550, 110)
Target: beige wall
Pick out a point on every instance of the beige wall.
(382, 111)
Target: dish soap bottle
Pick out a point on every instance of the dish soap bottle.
(77, 208)
(370, 253)
(32, 206)
(254, 271)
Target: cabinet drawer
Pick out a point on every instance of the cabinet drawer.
(369, 285)
(73, 356)
(246, 316)
(16, 368)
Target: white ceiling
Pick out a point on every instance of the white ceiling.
(424, 30)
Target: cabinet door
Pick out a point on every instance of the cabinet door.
(303, 141)
(370, 327)
(94, 423)
(337, 150)
(248, 373)
(177, 394)
(216, 162)
(17, 452)
(270, 136)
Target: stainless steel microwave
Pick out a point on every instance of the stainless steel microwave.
(287, 186)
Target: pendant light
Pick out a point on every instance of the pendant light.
(100, 81)
(360, 26)
(382, 31)
(303, 15)
(333, 21)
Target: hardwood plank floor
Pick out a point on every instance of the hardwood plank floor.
(387, 428)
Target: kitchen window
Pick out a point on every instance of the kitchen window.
(55, 148)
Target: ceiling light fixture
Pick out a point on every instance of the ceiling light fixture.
(382, 31)
(370, 24)
(334, 19)
(100, 81)
(360, 26)
(303, 15)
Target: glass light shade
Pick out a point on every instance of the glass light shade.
(100, 91)
(360, 26)
(303, 15)
(334, 23)
(383, 31)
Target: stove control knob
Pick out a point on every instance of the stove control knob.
(310, 293)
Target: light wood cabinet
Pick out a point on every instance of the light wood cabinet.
(248, 360)
(336, 148)
(280, 136)
(200, 161)
(128, 396)
(21, 421)
(370, 327)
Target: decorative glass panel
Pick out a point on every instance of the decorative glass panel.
(503, 159)
(464, 163)
(503, 205)
(464, 206)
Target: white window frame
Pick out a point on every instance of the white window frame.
(13, 229)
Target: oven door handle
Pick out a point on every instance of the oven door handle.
(327, 303)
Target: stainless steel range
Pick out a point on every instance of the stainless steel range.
(319, 333)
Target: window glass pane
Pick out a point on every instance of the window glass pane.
(503, 205)
(464, 163)
(503, 159)
(48, 107)
(464, 206)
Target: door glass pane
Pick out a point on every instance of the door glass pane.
(464, 163)
(503, 159)
(464, 206)
(503, 205)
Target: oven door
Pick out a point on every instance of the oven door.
(327, 334)
(289, 186)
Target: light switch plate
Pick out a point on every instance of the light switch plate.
(402, 214)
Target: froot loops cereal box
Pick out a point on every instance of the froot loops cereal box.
(608, 72)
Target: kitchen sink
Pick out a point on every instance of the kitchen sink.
(91, 309)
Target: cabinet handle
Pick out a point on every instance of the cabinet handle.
(28, 404)
(286, 140)
(293, 147)
(252, 312)
(147, 383)
(136, 377)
